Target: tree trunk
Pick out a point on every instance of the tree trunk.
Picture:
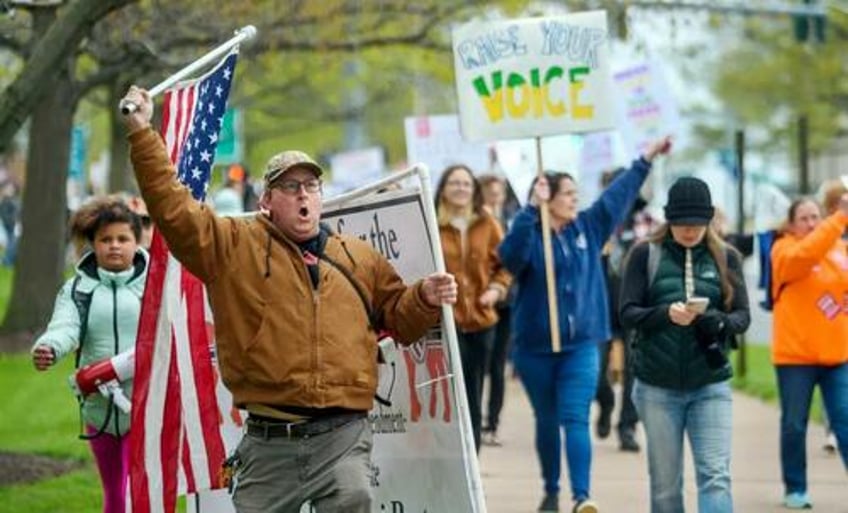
(41, 253)
(55, 45)
(120, 170)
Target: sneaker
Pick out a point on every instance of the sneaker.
(585, 506)
(550, 504)
(830, 445)
(797, 500)
(603, 425)
(491, 439)
(628, 443)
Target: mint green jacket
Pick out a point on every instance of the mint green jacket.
(112, 326)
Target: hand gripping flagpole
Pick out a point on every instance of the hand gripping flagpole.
(243, 34)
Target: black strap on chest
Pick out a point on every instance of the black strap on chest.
(82, 300)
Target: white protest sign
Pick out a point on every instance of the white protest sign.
(417, 461)
(518, 162)
(533, 77)
(351, 169)
(597, 154)
(437, 142)
(646, 108)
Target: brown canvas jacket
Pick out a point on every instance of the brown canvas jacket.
(280, 342)
(476, 270)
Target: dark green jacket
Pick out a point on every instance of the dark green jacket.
(665, 354)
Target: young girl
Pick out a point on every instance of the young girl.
(110, 281)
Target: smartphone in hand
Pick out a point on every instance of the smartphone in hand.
(697, 305)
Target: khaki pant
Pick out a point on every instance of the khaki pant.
(332, 470)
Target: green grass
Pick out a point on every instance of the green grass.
(77, 491)
(6, 274)
(760, 380)
(40, 415)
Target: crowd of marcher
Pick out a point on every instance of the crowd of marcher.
(655, 306)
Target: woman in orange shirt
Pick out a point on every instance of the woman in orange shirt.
(810, 291)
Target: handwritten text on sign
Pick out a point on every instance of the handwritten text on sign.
(532, 77)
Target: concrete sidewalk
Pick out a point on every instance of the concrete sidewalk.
(513, 484)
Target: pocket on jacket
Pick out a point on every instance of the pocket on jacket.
(269, 361)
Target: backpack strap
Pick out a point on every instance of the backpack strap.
(82, 300)
(373, 322)
(654, 255)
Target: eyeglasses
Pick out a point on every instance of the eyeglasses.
(292, 187)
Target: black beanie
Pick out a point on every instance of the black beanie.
(689, 202)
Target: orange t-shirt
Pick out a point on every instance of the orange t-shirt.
(810, 284)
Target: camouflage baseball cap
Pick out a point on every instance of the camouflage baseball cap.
(282, 162)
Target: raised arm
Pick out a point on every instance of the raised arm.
(198, 238)
(793, 259)
(615, 202)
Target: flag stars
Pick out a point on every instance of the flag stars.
(227, 73)
(219, 91)
(213, 138)
(196, 173)
(205, 156)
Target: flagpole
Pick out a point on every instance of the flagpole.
(243, 34)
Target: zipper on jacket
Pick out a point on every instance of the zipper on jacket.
(315, 303)
(117, 346)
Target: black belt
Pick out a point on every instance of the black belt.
(305, 429)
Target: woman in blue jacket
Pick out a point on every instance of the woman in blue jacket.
(109, 281)
(561, 384)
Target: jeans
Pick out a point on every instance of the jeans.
(474, 350)
(705, 415)
(795, 384)
(332, 470)
(496, 368)
(561, 387)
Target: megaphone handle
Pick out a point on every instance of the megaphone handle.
(121, 400)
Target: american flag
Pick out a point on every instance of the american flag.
(175, 440)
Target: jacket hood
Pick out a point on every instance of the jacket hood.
(87, 267)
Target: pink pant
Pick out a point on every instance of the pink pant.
(112, 454)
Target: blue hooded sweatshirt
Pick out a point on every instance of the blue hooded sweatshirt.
(581, 289)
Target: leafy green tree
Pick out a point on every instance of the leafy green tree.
(298, 61)
(771, 79)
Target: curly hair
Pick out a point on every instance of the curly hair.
(99, 212)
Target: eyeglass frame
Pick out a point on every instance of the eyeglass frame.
(300, 184)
